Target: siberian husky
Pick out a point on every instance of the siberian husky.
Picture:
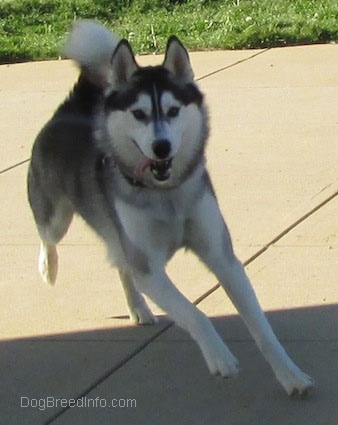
(126, 151)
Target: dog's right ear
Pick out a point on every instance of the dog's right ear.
(123, 64)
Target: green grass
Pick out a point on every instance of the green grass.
(34, 29)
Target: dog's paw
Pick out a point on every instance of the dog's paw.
(220, 361)
(141, 315)
(296, 383)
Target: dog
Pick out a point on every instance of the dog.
(126, 151)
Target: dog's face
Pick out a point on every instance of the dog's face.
(155, 121)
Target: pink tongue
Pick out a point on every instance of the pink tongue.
(142, 166)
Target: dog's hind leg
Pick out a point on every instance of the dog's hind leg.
(139, 312)
(51, 232)
(53, 215)
(48, 262)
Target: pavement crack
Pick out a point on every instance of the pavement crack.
(197, 79)
(273, 242)
(109, 373)
(166, 327)
(233, 64)
(14, 166)
(321, 190)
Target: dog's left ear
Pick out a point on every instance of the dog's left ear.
(177, 60)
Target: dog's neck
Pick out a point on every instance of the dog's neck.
(133, 181)
(106, 160)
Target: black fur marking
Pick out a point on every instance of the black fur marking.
(83, 99)
(144, 80)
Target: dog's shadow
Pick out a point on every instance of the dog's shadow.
(163, 370)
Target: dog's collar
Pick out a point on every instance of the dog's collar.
(132, 181)
(107, 160)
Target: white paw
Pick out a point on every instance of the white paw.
(220, 361)
(296, 382)
(48, 263)
(141, 315)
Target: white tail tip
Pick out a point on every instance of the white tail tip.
(91, 45)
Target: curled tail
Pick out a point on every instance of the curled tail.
(91, 46)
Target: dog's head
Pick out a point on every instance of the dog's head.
(153, 120)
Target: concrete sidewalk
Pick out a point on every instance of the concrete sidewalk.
(273, 156)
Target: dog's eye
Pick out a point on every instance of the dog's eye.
(173, 112)
(139, 115)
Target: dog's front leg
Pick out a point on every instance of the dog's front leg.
(139, 312)
(157, 286)
(208, 236)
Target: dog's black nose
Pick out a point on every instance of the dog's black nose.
(162, 148)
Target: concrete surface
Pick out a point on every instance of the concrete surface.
(273, 156)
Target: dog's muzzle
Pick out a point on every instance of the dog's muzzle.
(160, 166)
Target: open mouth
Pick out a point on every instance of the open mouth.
(160, 169)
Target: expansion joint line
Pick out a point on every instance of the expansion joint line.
(273, 242)
(197, 79)
(233, 64)
(14, 166)
(167, 326)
